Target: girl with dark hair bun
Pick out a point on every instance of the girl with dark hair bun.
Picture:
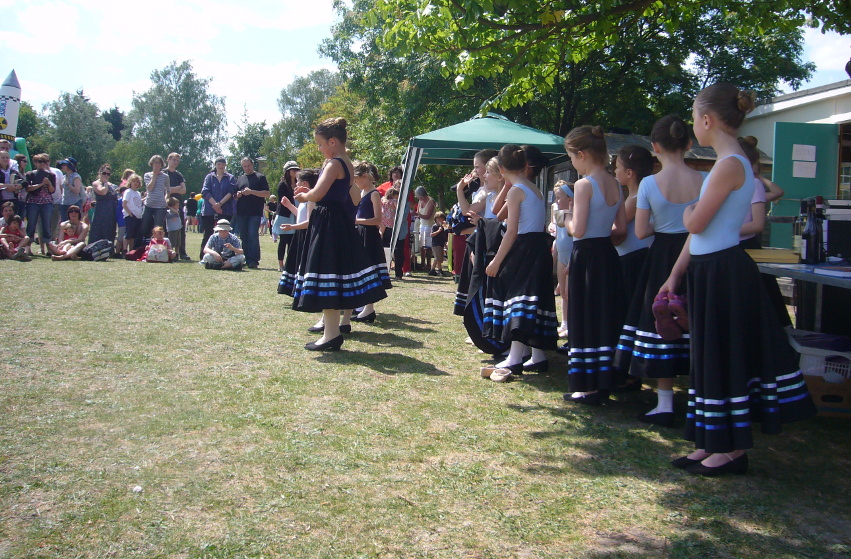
(662, 199)
(367, 221)
(520, 308)
(334, 272)
(750, 235)
(742, 367)
(632, 164)
(595, 284)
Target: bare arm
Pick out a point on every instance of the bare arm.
(757, 224)
(619, 230)
(513, 200)
(773, 192)
(581, 205)
(332, 171)
(643, 227)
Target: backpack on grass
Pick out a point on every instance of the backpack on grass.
(97, 251)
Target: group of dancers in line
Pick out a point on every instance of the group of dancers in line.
(740, 365)
(714, 318)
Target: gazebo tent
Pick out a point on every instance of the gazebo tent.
(458, 144)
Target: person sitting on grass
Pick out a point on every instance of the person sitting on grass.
(14, 242)
(158, 239)
(72, 237)
(223, 250)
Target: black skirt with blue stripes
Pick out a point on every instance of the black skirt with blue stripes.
(371, 240)
(743, 369)
(595, 313)
(641, 350)
(288, 275)
(334, 271)
(520, 305)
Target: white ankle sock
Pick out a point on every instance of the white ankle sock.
(665, 402)
(515, 355)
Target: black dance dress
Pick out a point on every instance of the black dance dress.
(743, 369)
(371, 239)
(334, 271)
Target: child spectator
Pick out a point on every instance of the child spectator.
(132, 204)
(158, 239)
(174, 223)
(14, 241)
(120, 221)
(388, 215)
(439, 236)
(8, 210)
(72, 237)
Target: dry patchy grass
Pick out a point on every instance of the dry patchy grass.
(193, 385)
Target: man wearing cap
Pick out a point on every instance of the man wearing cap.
(251, 192)
(223, 250)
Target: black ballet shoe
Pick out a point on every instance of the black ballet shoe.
(499, 358)
(684, 462)
(664, 419)
(316, 328)
(539, 367)
(563, 349)
(629, 386)
(330, 345)
(737, 466)
(368, 318)
(345, 328)
(592, 399)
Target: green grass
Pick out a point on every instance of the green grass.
(193, 384)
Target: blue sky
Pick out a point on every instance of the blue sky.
(251, 49)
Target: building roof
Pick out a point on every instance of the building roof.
(803, 97)
(615, 142)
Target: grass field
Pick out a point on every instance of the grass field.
(153, 410)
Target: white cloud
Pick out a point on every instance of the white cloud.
(829, 51)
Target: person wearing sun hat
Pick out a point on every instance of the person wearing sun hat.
(283, 215)
(223, 250)
(73, 193)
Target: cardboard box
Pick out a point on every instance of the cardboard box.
(833, 399)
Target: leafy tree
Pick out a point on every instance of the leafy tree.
(76, 129)
(247, 142)
(178, 113)
(300, 105)
(528, 43)
(31, 126)
(115, 118)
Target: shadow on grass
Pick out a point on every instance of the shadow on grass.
(383, 363)
(387, 322)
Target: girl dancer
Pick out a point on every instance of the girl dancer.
(304, 181)
(334, 272)
(522, 307)
(742, 368)
(750, 236)
(662, 199)
(367, 221)
(632, 164)
(595, 285)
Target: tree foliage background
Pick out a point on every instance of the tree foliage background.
(406, 67)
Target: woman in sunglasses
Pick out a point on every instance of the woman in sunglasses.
(106, 196)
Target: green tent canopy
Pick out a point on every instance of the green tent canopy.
(458, 144)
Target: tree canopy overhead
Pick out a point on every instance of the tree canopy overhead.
(530, 42)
